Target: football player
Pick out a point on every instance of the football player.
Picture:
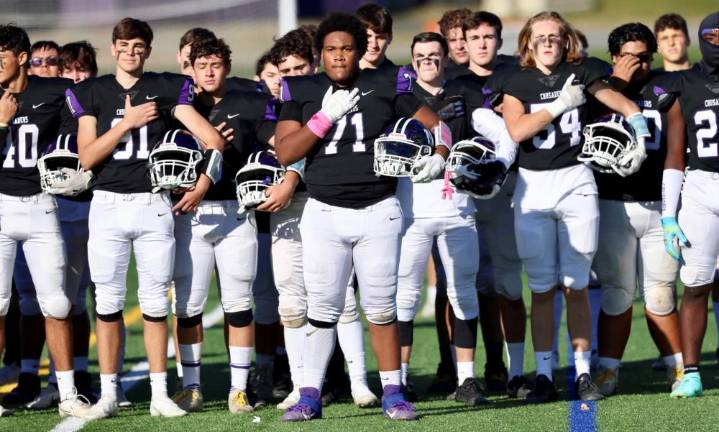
(352, 217)
(32, 115)
(672, 42)
(450, 25)
(378, 23)
(267, 73)
(119, 118)
(191, 36)
(44, 59)
(433, 212)
(214, 234)
(630, 250)
(555, 202)
(697, 227)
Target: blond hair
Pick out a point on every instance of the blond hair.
(572, 50)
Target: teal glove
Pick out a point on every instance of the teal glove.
(673, 235)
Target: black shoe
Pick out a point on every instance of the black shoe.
(495, 377)
(445, 381)
(586, 389)
(542, 392)
(469, 393)
(282, 380)
(518, 387)
(83, 384)
(410, 395)
(27, 389)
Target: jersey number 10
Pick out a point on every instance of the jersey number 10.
(24, 154)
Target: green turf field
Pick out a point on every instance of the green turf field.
(642, 405)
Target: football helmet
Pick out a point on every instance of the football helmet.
(606, 143)
(398, 149)
(174, 161)
(60, 154)
(261, 171)
(473, 167)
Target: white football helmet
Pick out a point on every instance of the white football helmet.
(174, 161)
(606, 143)
(61, 154)
(398, 149)
(261, 171)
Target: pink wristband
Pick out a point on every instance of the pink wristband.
(319, 124)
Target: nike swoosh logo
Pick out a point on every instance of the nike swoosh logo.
(161, 214)
(49, 211)
(151, 97)
(38, 105)
(367, 92)
(231, 116)
(394, 218)
(547, 358)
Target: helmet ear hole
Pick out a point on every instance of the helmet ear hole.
(398, 149)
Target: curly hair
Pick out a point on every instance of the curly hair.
(14, 38)
(341, 22)
(209, 47)
(295, 43)
(631, 32)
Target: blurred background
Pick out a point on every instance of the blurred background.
(249, 26)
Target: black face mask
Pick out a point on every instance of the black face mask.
(710, 53)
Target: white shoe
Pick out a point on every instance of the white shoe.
(49, 396)
(363, 396)
(427, 310)
(74, 406)
(4, 412)
(290, 401)
(122, 400)
(163, 406)
(105, 407)
(9, 374)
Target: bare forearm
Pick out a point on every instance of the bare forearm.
(93, 150)
(525, 126)
(293, 141)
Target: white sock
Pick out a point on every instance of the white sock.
(31, 366)
(582, 362)
(609, 362)
(404, 372)
(464, 370)
(390, 378)
(267, 360)
(240, 360)
(544, 363)
(65, 383)
(79, 363)
(515, 358)
(295, 345)
(190, 355)
(674, 361)
(351, 341)
(319, 345)
(158, 384)
(108, 386)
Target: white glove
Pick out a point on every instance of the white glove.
(75, 182)
(428, 168)
(336, 105)
(572, 96)
(632, 161)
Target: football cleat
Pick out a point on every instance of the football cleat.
(495, 377)
(4, 412)
(49, 397)
(607, 380)
(263, 385)
(74, 406)
(674, 376)
(689, 387)
(104, 408)
(543, 391)
(290, 400)
(237, 402)
(189, 399)
(469, 393)
(122, 400)
(363, 396)
(586, 389)
(394, 405)
(9, 374)
(518, 387)
(400, 147)
(163, 406)
(309, 407)
(26, 391)
(444, 381)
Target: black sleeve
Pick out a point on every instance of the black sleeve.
(80, 99)
(405, 104)
(267, 120)
(291, 110)
(68, 123)
(179, 90)
(595, 69)
(663, 90)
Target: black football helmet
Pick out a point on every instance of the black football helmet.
(261, 171)
(473, 168)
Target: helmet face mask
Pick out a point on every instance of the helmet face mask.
(398, 149)
(174, 161)
(261, 171)
(61, 155)
(605, 144)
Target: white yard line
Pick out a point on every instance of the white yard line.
(139, 372)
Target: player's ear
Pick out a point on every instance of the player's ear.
(22, 58)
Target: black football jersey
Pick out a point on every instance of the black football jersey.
(454, 70)
(470, 87)
(243, 84)
(339, 169)
(646, 184)
(559, 144)
(252, 116)
(126, 170)
(698, 95)
(41, 116)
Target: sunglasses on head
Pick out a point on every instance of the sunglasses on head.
(38, 61)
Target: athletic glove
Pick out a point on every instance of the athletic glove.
(632, 161)
(75, 182)
(673, 237)
(453, 109)
(336, 105)
(572, 96)
(428, 168)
